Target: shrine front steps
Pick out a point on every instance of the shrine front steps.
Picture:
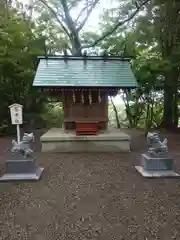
(57, 140)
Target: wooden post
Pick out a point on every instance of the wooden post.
(18, 133)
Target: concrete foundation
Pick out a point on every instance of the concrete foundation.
(112, 140)
(157, 174)
(17, 168)
(156, 163)
(156, 166)
(23, 176)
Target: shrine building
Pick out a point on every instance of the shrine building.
(83, 85)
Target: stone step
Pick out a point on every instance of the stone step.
(56, 140)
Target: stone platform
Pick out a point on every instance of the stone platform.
(23, 176)
(157, 174)
(18, 168)
(59, 140)
(156, 166)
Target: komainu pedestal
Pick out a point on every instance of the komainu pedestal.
(156, 162)
(21, 164)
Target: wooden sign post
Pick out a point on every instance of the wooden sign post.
(16, 117)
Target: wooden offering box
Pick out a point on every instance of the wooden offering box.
(86, 127)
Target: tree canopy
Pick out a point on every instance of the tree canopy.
(148, 31)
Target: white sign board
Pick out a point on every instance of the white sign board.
(16, 114)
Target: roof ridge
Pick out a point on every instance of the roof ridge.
(62, 57)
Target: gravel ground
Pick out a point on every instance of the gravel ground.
(91, 196)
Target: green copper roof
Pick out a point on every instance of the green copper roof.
(75, 71)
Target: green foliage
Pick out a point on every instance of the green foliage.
(154, 41)
(151, 38)
(17, 66)
(149, 69)
(121, 114)
(53, 115)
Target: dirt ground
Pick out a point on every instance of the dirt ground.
(91, 196)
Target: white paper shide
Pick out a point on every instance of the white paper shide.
(16, 114)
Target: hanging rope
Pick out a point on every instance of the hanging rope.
(74, 97)
(99, 96)
(90, 97)
(82, 97)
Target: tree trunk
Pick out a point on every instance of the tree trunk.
(176, 115)
(170, 116)
(76, 47)
(175, 98)
(168, 104)
(118, 125)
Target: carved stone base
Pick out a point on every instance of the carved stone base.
(155, 167)
(157, 174)
(157, 163)
(19, 168)
(22, 176)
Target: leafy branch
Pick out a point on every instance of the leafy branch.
(56, 16)
(89, 11)
(119, 24)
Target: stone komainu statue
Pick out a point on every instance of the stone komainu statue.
(156, 146)
(24, 147)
